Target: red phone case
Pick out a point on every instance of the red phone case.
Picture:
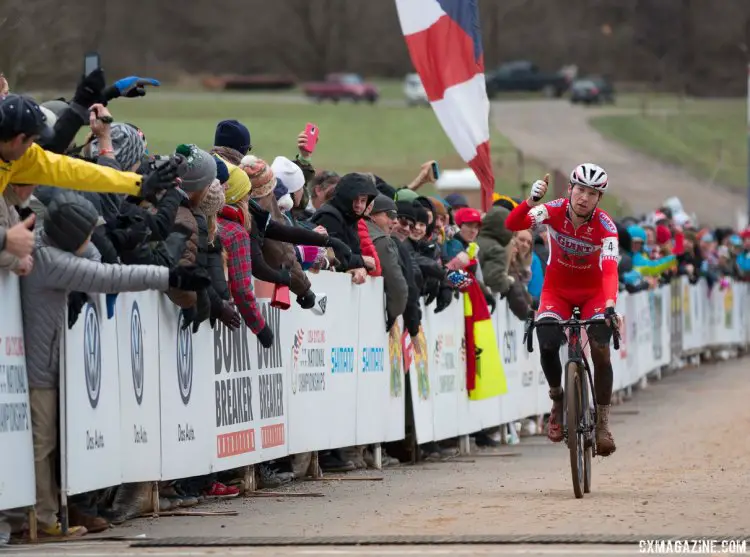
(311, 132)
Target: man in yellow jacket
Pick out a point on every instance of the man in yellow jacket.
(23, 162)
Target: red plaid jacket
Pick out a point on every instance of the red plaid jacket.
(236, 241)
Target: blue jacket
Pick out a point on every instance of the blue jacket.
(537, 276)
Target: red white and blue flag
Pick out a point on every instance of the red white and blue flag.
(445, 44)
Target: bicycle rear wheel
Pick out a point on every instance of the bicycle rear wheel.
(573, 415)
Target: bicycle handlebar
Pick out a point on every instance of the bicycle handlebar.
(566, 324)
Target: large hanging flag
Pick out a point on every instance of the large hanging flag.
(445, 44)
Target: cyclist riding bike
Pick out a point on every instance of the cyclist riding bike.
(582, 272)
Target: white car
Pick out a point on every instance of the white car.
(414, 91)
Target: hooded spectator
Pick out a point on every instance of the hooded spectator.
(341, 214)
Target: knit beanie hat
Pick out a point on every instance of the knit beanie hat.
(261, 176)
(439, 206)
(663, 235)
(70, 220)
(232, 134)
(237, 185)
(405, 194)
(405, 209)
(214, 199)
(127, 143)
(420, 213)
(289, 173)
(200, 168)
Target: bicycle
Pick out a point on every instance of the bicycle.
(578, 393)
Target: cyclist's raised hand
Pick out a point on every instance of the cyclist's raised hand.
(538, 191)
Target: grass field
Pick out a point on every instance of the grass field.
(707, 138)
(390, 141)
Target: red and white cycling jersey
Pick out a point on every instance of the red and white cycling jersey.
(582, 261)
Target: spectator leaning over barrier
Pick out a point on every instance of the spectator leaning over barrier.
(340, 217)
(66, 261)
(234, 224)
(277, 254)
(379, 224)
(24, 162)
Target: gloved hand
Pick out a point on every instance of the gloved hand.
(285, 276)
(432, 289)
(389, 324)
(307, 300)
(127, 238)
(163, 178)
(445, 297)
(265, 337)
(90, 89)
(188, 316)
(343, 251)
(76, 303)
(230, 316)
(130, 87)
(538, 191)
(460, 280)
(412, 327)
(491, 302)
(189, 277)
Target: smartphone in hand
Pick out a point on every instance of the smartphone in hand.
(91, 63)
(435, 170)
(311, 133)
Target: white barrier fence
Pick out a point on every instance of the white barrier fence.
(144, 400)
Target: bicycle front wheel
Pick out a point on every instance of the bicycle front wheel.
(573, 415)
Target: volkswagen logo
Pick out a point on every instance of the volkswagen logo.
(136, 352)
(184, 361)
(92, 354)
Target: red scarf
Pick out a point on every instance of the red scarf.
(480, 311)
(232, 213)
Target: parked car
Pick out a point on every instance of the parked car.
(414, 91)
(339, 86)
(592, 90)
(523, 75)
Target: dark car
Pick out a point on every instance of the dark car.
(592, 90)
(525, 76)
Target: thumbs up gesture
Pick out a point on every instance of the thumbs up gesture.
(19, 239)
(538, 190)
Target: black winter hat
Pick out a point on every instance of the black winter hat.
(420, 213)
(233, 134)
(406, 210)
(70, 220)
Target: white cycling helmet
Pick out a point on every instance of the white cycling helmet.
(589, 175)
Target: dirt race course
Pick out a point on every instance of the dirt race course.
(680, 469)
(558, 134)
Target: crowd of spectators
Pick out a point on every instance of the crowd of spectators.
(202, 222)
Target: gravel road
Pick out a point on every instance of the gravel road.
(680, 469)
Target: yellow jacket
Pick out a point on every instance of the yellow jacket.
(38, 166)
